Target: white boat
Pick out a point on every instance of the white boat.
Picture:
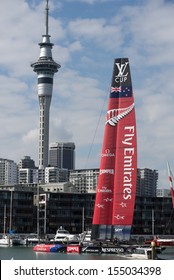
(32, 238)
(63, 235)
(85, 237)
(5, 240)
(140, 253)
(17, 240)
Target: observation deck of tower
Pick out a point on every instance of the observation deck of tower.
(45, 67)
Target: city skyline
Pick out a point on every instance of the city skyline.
(87, 36)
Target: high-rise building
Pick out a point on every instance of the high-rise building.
(27, 162)
(8, 172)
(45, 67)
(27, 171)
(147, 180)
(62, 155)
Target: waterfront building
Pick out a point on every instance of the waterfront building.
(153, 216)
(58, 206)
(54, 174)
(73, 211)
(147, 182)
(85, 180)
(45, 67)
(8, 172)
(62, 155)
(67, 209)
(19, 210)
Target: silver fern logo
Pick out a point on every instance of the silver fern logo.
(115, 115)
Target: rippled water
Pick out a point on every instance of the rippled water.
(27, 253)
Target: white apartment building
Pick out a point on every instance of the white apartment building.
(85, 180)
(28, 176)
(8, 172)
(55, 175)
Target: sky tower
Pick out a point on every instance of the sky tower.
(45, 67)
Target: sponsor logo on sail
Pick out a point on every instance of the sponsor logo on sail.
(104, 190)
(122, 72)
(118, 230)
(108, 153)
(128, 161)
(106, 171)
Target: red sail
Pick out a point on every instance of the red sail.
(115, 195)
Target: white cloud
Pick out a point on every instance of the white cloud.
(99, 31)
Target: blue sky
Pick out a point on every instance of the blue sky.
(88, 35)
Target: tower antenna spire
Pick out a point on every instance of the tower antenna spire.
(47, 12)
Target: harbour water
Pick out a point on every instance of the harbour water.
(27, 253)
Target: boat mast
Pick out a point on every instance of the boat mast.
(4, 219)
(153, 223)
(11, 211)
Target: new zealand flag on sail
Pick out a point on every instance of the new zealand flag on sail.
(121, 91)
(121, 80)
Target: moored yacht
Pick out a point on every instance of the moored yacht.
(141, 254)
(85, 237)
(17, 240)
(5, 240)
(63, 235)
(32, 238)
